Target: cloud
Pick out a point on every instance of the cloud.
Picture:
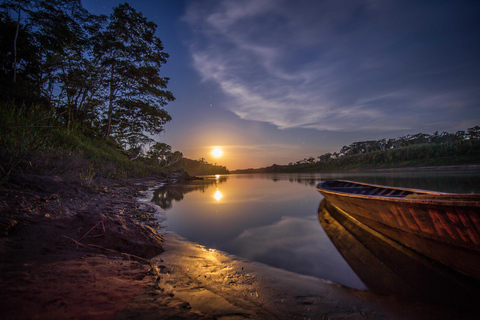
(339, 65)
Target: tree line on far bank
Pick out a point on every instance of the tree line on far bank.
(162, 154)
(437, 149)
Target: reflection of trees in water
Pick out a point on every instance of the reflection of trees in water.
(166, 194)
(292, 177)
(441, 181)
(444, 181)
(308, 180)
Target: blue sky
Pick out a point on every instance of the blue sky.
(275, 81)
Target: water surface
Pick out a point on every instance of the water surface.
(273, 218)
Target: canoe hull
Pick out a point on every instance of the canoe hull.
(438, 227)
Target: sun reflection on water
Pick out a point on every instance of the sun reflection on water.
(218, 195)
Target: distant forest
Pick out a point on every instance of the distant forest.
(437, 149)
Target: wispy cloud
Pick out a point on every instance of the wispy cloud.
(339, 65)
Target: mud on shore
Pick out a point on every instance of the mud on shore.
(73, 251)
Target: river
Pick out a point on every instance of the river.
(273, 218)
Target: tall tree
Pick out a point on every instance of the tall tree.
(19, 55)
(17, 6)
(64, 31)
(132, 56)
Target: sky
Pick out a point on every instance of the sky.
(277, 81)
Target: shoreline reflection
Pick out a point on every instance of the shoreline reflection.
(452, 180)
(165, 195)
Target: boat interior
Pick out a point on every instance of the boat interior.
(355, 188)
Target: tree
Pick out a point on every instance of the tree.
(65, 31)
(104, 78)
(46, 52)
(16, 6)
(132, 56)
(162, 153)
(158, 151)
(173, 158)
(473, 133)
(19, 58)
(325, 157)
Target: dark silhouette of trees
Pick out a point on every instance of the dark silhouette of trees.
(64, 31)
(361, 147)
(202, 167)
(99, 74)
(19, 59)
(132, 56)
(162, 153)
(421, 149)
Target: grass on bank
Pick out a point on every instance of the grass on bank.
(34, 141)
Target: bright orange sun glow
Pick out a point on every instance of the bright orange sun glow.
(218, 195)
(217, 152)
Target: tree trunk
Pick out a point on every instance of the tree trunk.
(15, 47)
(110, 104)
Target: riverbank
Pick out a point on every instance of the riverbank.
(423, 168)
(75, 251)
(357, 166)
(69, 250)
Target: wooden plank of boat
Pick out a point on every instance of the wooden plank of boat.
(442, 226)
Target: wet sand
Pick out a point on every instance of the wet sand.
(69, 251)
(227, 287)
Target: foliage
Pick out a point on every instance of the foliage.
(202, 167)
(33, 140)
(69, 78)
(19, 60)
(132, 57)
(96, 74)
(462, 147)
(162, 153)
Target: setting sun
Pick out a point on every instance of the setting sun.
(217, 152)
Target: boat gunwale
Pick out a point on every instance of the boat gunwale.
(430, 197)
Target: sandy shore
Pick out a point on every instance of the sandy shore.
(69, 251)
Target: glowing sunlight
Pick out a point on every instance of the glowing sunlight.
(218, 195)
(217, 152)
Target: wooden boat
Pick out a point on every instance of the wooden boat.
(442, 226)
